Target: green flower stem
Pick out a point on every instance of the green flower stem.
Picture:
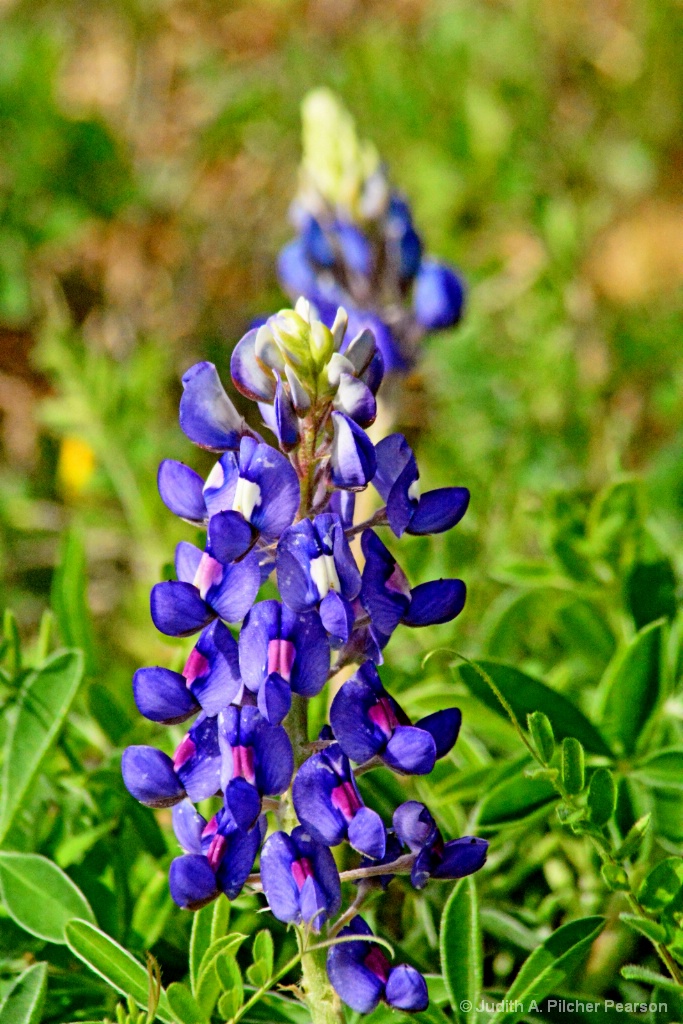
(322, 1001)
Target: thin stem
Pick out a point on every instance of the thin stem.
(378, 519)
(401, 866)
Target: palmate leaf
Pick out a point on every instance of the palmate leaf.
(183, 1005)
(209, 924)
(43, 706)
(549, 965)
(40, 897)
(525, 695)
(23, 1002)
(461, 949)
(115, 964)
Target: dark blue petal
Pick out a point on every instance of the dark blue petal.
(435, 602)
(356, 248)
(349, 574)
(356, 400)
(149, 776)
(343, 504)
(281, 890)
(192, 882)
(406, 989)
(439, 510)
(212, 670)
(387, 345)
(352, 459)
(244, 803)
(438, 297)
(274, 698)
(444, 727)
(286, 422)
(178, 610)
(367, 833)
(261, 625)
(278, 487)
(414, 825)
(238, 860)
(248, 375)
(356, 733)
(188, 825)
(410, 751)
(234, 595)
(274, 759)
(294, 551)
(181, 490)
(385, 592)
(374, 374)
(324, 866)
(461, 857)
(410, 254)
(221, 483)
(337, 617)
(313, 904)
(355, 984)
(316, 243)
(197, 760)
(311, 793)
(207, 416)
(163, 696)
(393, 455)
(229, 536)
(312, 661)
(422, 868)
(294, 271)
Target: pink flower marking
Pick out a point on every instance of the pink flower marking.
(195, 666)
(209, 572)
(281, 655)
(382, 715)
(346, 800)
(243, 764)
(184, 752)
(301, 870)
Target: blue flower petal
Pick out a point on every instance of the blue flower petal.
(461, 857)
(406, 989)
(435, 602)
(410, 751)
(282, 892)
(229, 536)
(439, 510)
(188, 825)
(207, 416)
(248, 375)
(444, 726)
(192, 882)
(149, 776)
(438, 297)
(181, 491)
(367, 833)
(163, 696)
(178, 610)
(352, 459)
(244, 803)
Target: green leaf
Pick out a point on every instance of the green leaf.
(633, 972)
(12, 651)
(506, 928)
(644, 926)
(262, 954)
(662, 884)
(663, 770)
(573, 769)
(43, 705)
(461, 950)
(549, 965)
(23, 1002)
(39, 896)
(526, 695)
(513, 800)
(209, 924)
(651, 591)
(183, 1004)
(541, 732)
(230, 980)
(632, 683)
(602, 796)
(113, 963)
(208, 984)
(152, 908)
(634, 838)
(69, 587)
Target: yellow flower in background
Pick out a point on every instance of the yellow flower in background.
(76, 466)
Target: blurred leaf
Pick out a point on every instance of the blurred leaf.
(548, 966)
(69, 596)
(633, 972)
(23, 1002)
(115, 964)
(39, 896)
(152, 908)
(633, 681)
(644, 926)
(663, 882)
(183, 1004)
(602, 796)
(573, 766)
(526, 695)
(230, 979)
(651, 592)
(663, 770)
(43, 706)
(461, 949)
(108, 713)
(506, 928)
(208, 982)
(514, 800)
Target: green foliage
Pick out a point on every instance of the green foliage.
(24, 1000)
(39, 896)
(460, 946)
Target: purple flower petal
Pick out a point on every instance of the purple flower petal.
(343, 503)
(461, 857)
(352, 459)
(410, 751)
(188, 825)
(358, 985)
(234, 595)
(356, 400)
(192, 882)
(238, 859)
(248, 375)
(149, 776)
(178, 610)
(229, 536)
(337, 617)
(439, 510)
(286, 422)
(207, 416)
(435, 602)
(357, 734)
(444, 727)
(187, 560)
(414, 825)
(312, 795)
(274, 698)
(385, 592)
(163, 696)
(181, 491)
(212, 669)
(244, 803)
(197, 760)
(367, 833)
(438, 297)
(406, 989)
(282, 891)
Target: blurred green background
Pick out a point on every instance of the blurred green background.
(148, 159)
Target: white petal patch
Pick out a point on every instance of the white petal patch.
(324, 574)
(414, 490)
(247, 497)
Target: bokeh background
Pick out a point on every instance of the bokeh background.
(148, 159)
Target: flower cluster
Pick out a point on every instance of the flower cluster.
(356, 243)
(289, 511)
